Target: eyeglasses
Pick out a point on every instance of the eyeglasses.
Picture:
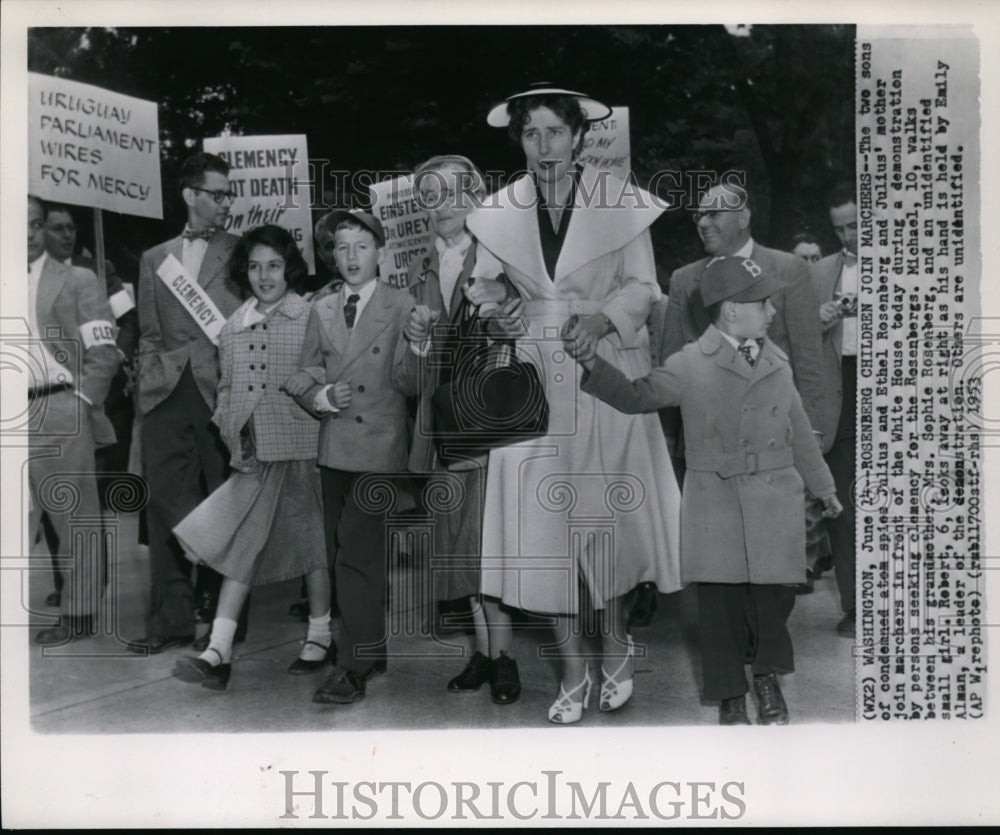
(698, 214)
(218, 195)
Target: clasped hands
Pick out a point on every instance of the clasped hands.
(581, 335)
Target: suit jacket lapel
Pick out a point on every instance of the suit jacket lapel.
(377, 314)
(50, 284)
(457, 296)
(830, 283)
(215, 258)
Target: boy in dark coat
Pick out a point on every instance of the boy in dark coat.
(750, 448)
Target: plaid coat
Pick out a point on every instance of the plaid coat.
(168, 337)
(255, 361)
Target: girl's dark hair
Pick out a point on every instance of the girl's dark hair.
(282, 242)
(566, 108)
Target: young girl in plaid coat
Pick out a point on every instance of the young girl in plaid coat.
(265, 524)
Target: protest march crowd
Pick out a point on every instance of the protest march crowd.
(582, 440)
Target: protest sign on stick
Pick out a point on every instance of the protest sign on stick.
(606, 146)
(269, 176)
(93, 147)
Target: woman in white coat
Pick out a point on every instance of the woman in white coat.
(593, 507)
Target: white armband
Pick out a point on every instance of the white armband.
(121, 303)
(97, 332)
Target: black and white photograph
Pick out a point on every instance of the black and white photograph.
(391, 387)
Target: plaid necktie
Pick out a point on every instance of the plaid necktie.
(351, 309)
(747, 352)
(190, 234)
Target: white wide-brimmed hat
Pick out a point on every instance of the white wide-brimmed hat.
(592, 108)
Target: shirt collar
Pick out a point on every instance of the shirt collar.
(462, 246)
(36, 266)
(743, 252)
(364, 292)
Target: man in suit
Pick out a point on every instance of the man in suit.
(723, 220)
(73, 360)
(60, 243)
(178, 370)
(835, 281)
(357, 372)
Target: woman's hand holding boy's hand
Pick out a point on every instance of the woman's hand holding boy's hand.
(298, 384)
(339, 394)
(832, 507)
(579, 341)
(418, 324)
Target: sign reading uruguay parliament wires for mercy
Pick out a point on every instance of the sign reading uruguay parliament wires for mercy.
(93, 147)
(269, 177)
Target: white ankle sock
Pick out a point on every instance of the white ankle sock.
(221, 642)
(319, 632)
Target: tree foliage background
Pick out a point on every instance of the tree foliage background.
(775, 101)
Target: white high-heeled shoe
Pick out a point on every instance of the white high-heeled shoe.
(565, 710)
(615, 693)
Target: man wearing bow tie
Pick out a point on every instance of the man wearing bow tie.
(835, 280)
(185, 293)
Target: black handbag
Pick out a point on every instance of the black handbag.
(487, 397)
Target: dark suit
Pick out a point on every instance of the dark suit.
(183, 457)
(64, 428)
(840, 406)
(795, 328)
(368, 437)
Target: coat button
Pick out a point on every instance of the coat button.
(774, 410)
(264, 327)
(359, 419)
(253, 327)
(772, 443)
(361, 388)
(263, 347)
(249, 388)
(745, 442)
(263, 386)
(376, 349)
(251, 368)
(251, 347)
(263, 367)
(180, 368)
(336, 415)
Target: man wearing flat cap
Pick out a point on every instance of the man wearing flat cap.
(750, 451)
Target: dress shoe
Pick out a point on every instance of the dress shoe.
(806, 587)
(199, 671)
(476, 673)
(505, 684)
(846, 627)
(343, 687)
(771, 707)
(615, 692)
(155, 644)
(68, 629)
(300, 666)
(201, 644)
(565, 709)
(734, 711)
(645, 605)
(54, 599)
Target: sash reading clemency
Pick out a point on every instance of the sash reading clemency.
(192, 296)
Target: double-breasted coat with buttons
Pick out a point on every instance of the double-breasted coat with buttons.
(256, 360)
(371, 434)
(749, 448)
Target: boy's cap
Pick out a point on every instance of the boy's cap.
(735, 279)
(370, 222)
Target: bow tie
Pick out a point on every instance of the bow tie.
(190, 234)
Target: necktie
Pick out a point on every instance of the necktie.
(748, 352)
(190, 234)
(351, 309)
